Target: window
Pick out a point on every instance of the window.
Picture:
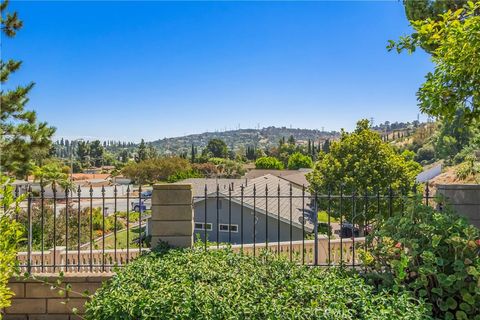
(220, 204)
(203, 226)
(224, 227)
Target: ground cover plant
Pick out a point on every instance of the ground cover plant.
(433, 254)
(219, 284)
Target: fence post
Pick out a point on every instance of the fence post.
(172, 215)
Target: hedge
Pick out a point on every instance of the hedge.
(193, 284)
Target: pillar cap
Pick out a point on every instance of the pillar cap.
(172, 186)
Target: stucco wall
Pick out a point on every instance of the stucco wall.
(464, 199)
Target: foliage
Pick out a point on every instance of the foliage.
(51, 230)
(219, 284)
(452, 136)
(11, 233)
(23, 139)
(207, 169)
(182, 175)
(228, 168)
(216, 148)
(155, 169)
(360, 161)
(433, 254)
(423, 9)
(268, 163)
(455, 41)
(425, 153)
(469, 168)
(298, 161)
(52, 173)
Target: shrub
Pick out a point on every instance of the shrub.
(297, 161)
(435, 255)
(425, 153)
(219, 284)
(268, 163)
(182, 175)
(207, 169)
(11, 233)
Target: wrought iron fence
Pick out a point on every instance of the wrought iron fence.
(83, 229)
(95, 229)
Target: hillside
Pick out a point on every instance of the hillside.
(237, 139)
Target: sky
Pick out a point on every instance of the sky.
(131, 70)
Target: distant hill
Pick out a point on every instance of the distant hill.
(236, 139)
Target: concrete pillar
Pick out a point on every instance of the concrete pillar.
(172, 215)
(464, 199)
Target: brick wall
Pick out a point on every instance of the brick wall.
(35, 301)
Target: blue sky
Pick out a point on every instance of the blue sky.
(127, 70)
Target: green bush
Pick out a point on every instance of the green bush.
(219, 284)
(435, 255)
(182, 175)
(268, 163)
(298, 161)
(11, 233)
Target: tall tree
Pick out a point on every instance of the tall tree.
(82, 151)
(22, 138)
(424, 9)
(96, 153)
(192, 154)
(141, 152)
(453, 39)
(217, 148)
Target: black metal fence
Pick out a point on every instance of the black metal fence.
(95, 229)
(84, 229)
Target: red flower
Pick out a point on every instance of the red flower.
(398, 245)
(477, 242)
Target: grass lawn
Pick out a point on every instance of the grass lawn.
(121, 239)
(323, 217)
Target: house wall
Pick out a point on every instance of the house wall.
(248, 224)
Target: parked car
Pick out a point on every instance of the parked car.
(348, 230)
(147, 194)
(143, 205)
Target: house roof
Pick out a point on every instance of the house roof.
(90, 176)
(297, 177)
(199, 184)
(272, 195)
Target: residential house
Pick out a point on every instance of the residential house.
(296, 177)
(226, 216)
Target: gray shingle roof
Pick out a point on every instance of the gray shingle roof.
(272, 195)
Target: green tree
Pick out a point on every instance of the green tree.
(360, 162)
(268, 163)
(96, 153)
(216, 148)
(326, 146)
(424, 9)
(156, 169)
(192, 154)
(297, 161)
(22, 137)
(452, 136)
(455, 41)
(83, 151)
(52, 173)
(142, 153)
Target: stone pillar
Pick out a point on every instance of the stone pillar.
(172, 215)
(464, 199)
